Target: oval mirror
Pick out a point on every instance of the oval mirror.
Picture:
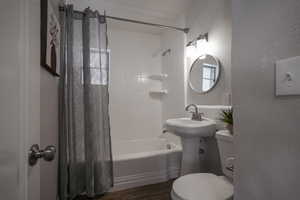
(204, 73)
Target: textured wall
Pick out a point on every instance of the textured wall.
(214, 17)
(267, 127)
(48, 115)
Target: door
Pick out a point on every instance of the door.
(27, 114)
(12, 112)
(17, 180)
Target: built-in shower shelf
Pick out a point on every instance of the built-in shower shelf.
(158, 77)
(158, 92)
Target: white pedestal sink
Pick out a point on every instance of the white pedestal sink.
(191, 133)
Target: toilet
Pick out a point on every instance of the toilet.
(206, 186)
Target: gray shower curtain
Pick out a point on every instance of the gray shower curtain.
(85, 163)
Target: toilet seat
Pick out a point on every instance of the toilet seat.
(202, 186)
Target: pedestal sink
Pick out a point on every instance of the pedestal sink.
(191, 133)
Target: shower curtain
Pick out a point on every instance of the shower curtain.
(85, 163)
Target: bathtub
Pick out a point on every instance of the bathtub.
(143, 162)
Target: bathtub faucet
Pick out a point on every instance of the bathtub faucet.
(195, 114)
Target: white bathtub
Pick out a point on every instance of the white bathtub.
(143, 162)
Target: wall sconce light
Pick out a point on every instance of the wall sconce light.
(200, 37)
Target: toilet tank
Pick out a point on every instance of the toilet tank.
(226, 150)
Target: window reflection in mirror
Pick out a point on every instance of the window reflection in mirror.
(204, 74)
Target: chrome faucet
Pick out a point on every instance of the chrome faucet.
(195, 114)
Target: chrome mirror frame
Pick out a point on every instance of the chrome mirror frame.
(194, 65)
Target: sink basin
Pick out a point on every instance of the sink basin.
(192, 133)
(185, 127)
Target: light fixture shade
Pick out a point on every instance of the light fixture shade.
(203, 37)
(189, 44)
(200, 37)
(192, 43)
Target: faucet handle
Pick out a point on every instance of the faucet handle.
(197, 116)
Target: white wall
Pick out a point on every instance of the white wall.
(48, 116)
(134, 113)
(267, 127)
(49, 133)
(214, 17)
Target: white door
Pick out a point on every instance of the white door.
(12, 122)
(23, 117)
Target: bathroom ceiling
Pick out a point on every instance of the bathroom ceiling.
(155, 11)
(168, 9)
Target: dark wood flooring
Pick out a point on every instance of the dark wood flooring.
(159, 191)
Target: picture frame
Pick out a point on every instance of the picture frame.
(50, 38)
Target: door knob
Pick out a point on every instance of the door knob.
(35, 153)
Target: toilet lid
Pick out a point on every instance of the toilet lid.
(202, 187)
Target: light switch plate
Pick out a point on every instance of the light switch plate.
(288, 76)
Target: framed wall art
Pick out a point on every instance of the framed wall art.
(50, 38)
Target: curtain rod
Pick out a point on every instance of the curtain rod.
(185, 30)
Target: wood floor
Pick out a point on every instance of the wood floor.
(159, 191)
